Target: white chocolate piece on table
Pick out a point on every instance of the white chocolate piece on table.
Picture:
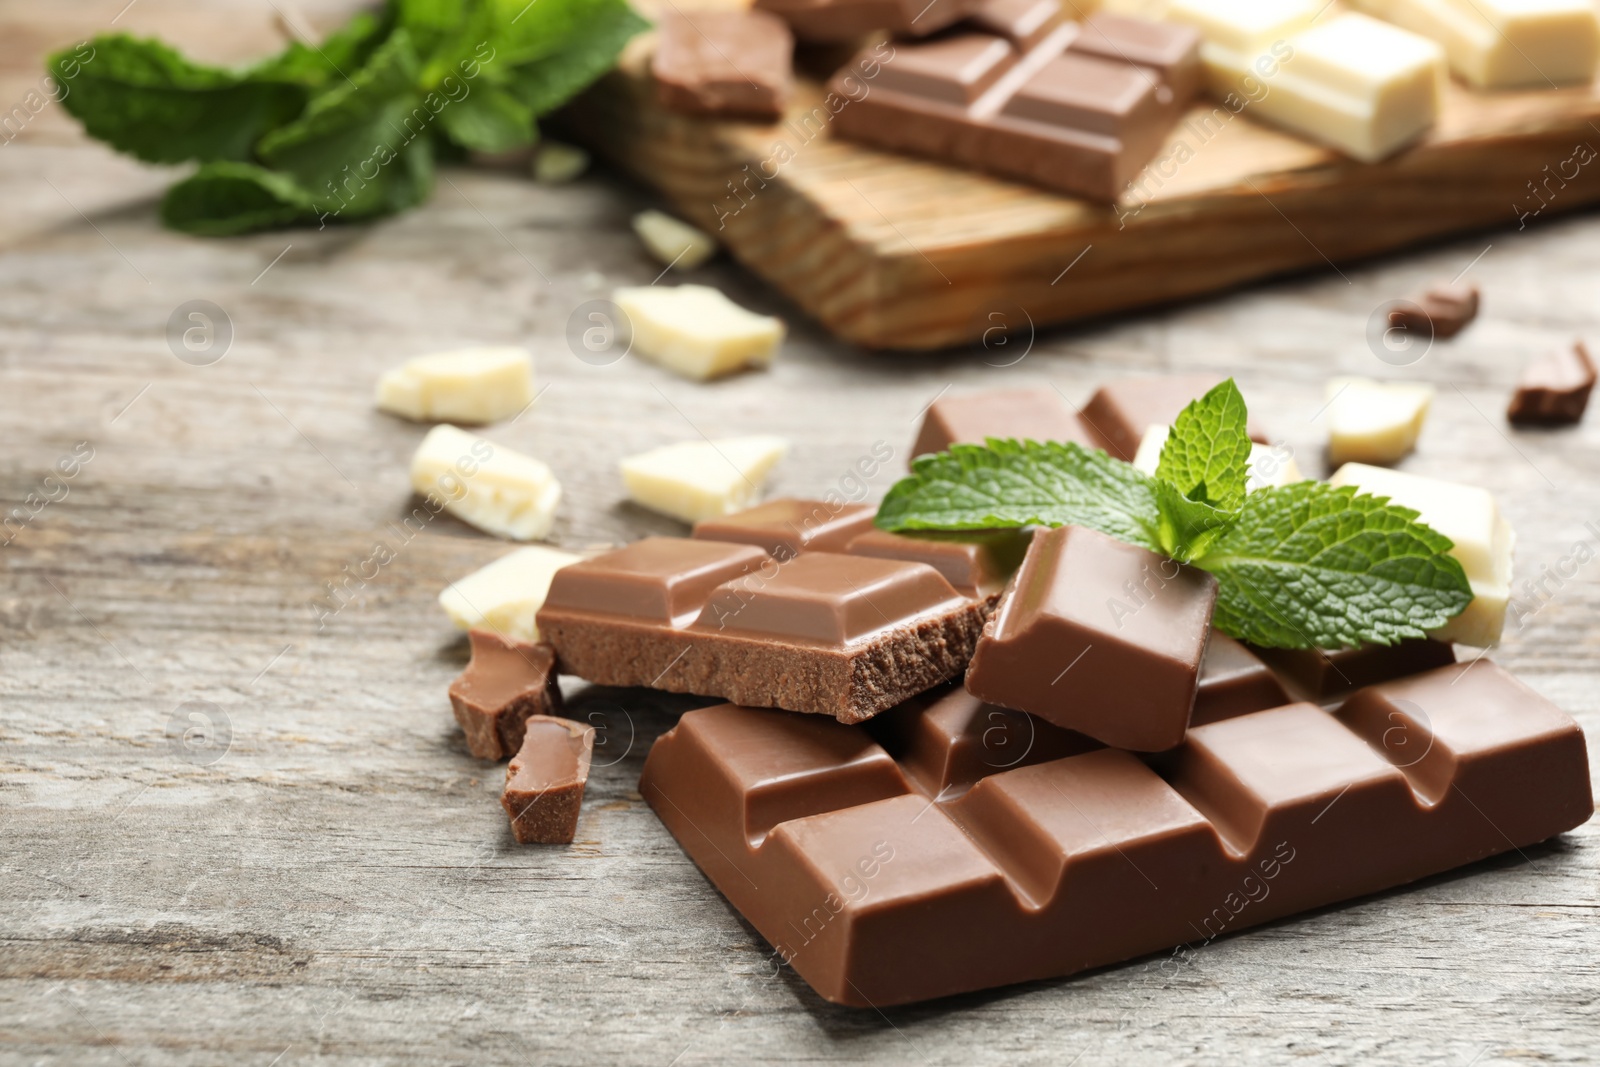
(674, 242)
(696, 331)
(696, 480)
(1469, 516)
(1504, 44)
(558, 163)
(1374, 422)
(1268, 468)
(1352, 82)
(486, 485)
(504, 595)
(472, 385)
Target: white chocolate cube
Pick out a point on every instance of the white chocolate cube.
(472, 385)
(1269, 466)
(696, 331)
(1374, 422)
(1504, 44)
(697, 480)
(486, 485)
(504, 595)
(558, 163)
(674, 242)
(1469, 516)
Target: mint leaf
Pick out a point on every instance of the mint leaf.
(1314, 566)
(1185, 528)
(547, 83)
(1009, 483)
(489, 120)
(1207, 454)
(226, 198)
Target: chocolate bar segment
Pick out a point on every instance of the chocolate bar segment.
(858, 875)
(1554, 389)
(1022, 22)
(845, 20)
(505, 683)
(1169, 52)
(978, 563)
(1322, 674)
(1025, 414)
(1121, 411)
(785, 527)
(847, 636)
(1098, 636)
(1233, 681)
(724, 63)
(546, 779)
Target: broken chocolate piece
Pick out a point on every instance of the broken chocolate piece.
(1121, 411)
(506, 682)
(1443, 311)
(1025, 414)
(724, 63)
(783, 528)
(545, 780)
(1169, 51)
(845, 20)
(1554, 389)
(1318, 674)
(1098, 636)
(976, 562)
(847, 636)
(1233, 681)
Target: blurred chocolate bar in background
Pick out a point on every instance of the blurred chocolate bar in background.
(734, 64)
(827, 21)
(1554, 389)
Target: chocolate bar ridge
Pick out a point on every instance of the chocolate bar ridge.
(862, 880)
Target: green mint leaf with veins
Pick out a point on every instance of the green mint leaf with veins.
(1207, 455)
(1186, 528)
(1024, 483)
(1315, 566)
(225, 198)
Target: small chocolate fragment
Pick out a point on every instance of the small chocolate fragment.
(1555, 388)
(1100, 637)
(845, 20)
(785, 527)
(976, 562)
(505, 683)
(1319, 674)
(1233, 681)
(545, 780)
(1121, 411)
(1444, 309)
(1025, 414)
(725, 63)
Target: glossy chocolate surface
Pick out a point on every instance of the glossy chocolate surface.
(1026, 414)
(845, 20)
(506, 681)
(977, 563)
(1121, 411)
(546, 779)
(788, 526)
(1233, 681)
(1318, 674)
(1554, 389)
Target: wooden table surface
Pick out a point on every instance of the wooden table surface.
(337, 882)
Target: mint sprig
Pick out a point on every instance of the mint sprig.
(1300, 566)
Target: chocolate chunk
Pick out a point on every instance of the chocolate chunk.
(545, 780)
(1022, 22)
(1168, 51)
(1026, 414)
(505, 683)
(1443, 311)
(785, 527)
(1318, 674)
(1555, 388)
(977, 562)
(1233, 681)
(897, 889)
(839, 635)
(1100, 637)
(845, 20)
(1121, 411)
(1019, 101)
(726, 63)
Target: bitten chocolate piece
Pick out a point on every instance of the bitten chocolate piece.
(1100, 637)
(783, 528)
(1121, 411)
(545, 780)
(1444, 309)
(935, 885)
(1555, 388)
(1022, 102)
(506, 682)
(1233, 681)
(1026, 414)
(726, 63)
(976, 562)
(1318, 674)
(846, 636)
(845, 20)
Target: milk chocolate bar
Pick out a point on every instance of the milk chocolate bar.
(1443, 310)
(880, 889)
(845, 20)
(1318, 674)
(506, 682)
(1024, 100)
(1233, 681)
(1554, 389)
(823, 632)
(1121, 411)
(977, 562)
(1026, 414)
(546, 778)
(725, 63)
(787, 526)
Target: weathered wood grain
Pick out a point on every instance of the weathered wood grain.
(341, 885)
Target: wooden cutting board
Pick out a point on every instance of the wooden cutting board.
(894, 252)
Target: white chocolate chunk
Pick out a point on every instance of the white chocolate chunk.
(1374, 422)
(472, 385)
(504, 595)
(1504, 44)
(1269, 465)
(558, 163)
(696, 480)
(486, 485)
(1360, 85)
(1469, 516)
(675, 243)
(696, 331)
